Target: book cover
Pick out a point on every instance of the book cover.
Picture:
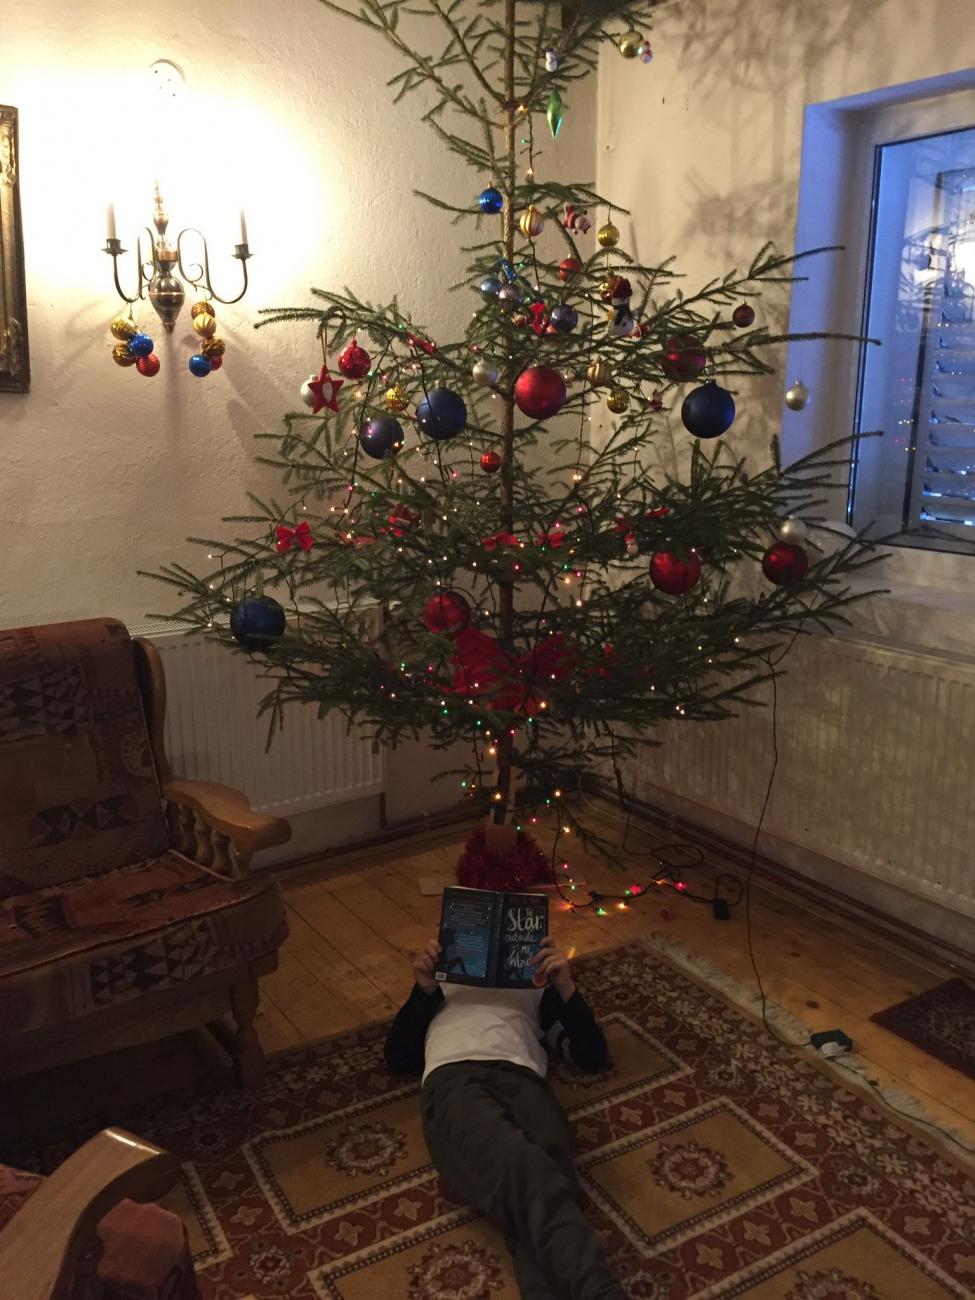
(524, 924)
(489, 938)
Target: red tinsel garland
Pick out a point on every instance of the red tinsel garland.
(480, 868)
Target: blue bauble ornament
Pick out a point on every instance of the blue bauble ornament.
(708, 411)
(490, 200)
(381, 434)
(442, 414)
(257, 622)
(200, 365)
(489, 287)
(509, 295)
(564, 318)
(140, 345)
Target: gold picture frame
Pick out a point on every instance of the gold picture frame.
(14, 359)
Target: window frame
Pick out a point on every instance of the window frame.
(840, 155)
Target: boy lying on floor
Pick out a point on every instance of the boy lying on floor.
(497, 1135)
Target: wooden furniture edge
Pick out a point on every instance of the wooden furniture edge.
(51, 1244)
(228, 812)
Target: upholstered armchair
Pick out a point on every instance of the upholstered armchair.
(127, 907)
(85, 1233)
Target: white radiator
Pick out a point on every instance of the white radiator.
(213, 733)
(875, 764)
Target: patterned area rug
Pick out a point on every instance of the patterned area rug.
(714, 1163)
(941, 1021)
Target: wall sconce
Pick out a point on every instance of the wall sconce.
(162, 270)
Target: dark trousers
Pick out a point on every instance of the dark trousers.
(501, 1142)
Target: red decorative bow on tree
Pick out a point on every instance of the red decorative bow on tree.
(554, 538)
(499, 539)
(484, 670)
(299, 536)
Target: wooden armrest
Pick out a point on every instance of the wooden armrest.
(229, 813)
(52, 1238)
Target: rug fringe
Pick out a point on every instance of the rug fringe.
(849, 1068)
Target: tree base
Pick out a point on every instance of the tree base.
(512, 864)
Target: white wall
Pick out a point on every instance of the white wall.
(707, 155)
(287, 114)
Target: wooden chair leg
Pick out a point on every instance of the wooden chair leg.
(247, 1051)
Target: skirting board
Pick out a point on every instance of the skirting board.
(699, 824)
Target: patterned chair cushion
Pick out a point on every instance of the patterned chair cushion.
(76, 947)
(16, 1187)
(78, 788)
(145, 1253)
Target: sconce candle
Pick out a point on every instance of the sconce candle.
(170, 271)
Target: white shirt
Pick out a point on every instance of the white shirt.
(481, 1024)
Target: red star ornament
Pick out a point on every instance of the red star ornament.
(326, 390)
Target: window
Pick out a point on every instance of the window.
(918, 387)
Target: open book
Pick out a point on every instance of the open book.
(489, 938)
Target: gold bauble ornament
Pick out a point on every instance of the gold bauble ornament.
(599, 374)
(631, 44)
(213, 347)
(618, 400)
(201, 308)
(123, 329)
(396, 398)
(205, 325)
(607, 236)
(122, 356)
(531, 223)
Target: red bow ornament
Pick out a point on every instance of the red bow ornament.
(288, 537)
(553, 539)
(483, 669)
(401, 520)
(499, 539)
(539, 315)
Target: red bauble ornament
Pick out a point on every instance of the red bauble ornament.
(149, 365)
(514, 868)
(675, 574)
(491, 462)
(568, 267)
(354, 362)
(216, 361)
(743, 315)
(783, 564)
(540, 392)
(447, 613)
(684, 358)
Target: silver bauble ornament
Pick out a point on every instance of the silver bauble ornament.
(305, 393)
(797, 397)
(509, 296)
(793, 531)
(484, 373)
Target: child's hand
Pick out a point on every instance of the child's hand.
(424, 964)
(552, 966)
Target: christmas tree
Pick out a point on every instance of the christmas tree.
(455, 555)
